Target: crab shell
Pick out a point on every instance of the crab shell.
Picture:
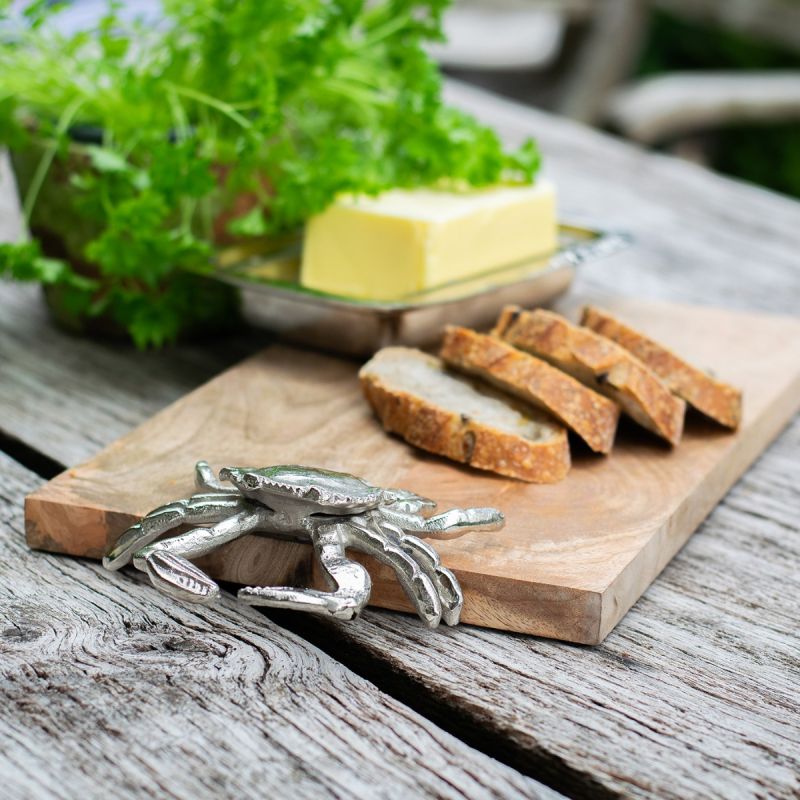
(318, 490)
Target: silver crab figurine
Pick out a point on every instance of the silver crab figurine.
(333, 511)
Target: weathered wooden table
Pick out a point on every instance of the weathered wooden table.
(109, 689)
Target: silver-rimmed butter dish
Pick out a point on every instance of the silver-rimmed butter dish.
(273, 298)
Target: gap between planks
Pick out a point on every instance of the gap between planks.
(366, 668)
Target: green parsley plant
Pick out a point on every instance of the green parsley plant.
(230, 119)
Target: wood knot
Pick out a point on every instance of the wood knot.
(16, 633)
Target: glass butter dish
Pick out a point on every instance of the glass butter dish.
(273, 298)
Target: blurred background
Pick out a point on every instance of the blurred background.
(713, 81)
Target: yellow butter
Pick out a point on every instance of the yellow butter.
(404, 241)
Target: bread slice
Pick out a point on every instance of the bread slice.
(715, 399)
(599, 363)
(416, 397)
(592, 416)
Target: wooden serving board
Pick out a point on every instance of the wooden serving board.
(573, 556)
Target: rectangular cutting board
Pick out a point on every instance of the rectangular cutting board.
(573, 556)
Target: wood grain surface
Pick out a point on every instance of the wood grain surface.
(694, 693)
(125, 690)
(572, 558)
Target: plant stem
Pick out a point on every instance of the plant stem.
(43, 167)
(224, 108)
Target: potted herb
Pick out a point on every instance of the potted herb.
(139, 149)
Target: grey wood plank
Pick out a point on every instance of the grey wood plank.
(692, 694)
(664, 108)
(107, 690)
(69, 396)
(696, 693)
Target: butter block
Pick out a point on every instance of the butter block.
(404, 241)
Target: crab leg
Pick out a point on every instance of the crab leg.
(414, 577)
(428, 559)
(447, 525)
(350, 580)
(167, 564)
(198, 508)
(458, 521)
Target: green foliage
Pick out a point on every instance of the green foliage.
(24, 262)
(681, 44)
(290, 103)
(766, 154)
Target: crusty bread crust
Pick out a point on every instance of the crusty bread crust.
(599, 363)
(715, 399)
(448, 433)
(592, 416)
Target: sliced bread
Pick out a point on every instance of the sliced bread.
(599, 363)
(592, 416)
(414, 396)
(715, 399)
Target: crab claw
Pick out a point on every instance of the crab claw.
(179, 578)
(458, 521)
(241, 478)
